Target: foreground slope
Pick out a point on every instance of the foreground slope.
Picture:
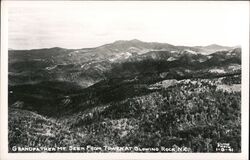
(195, 113)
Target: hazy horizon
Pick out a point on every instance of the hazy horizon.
(76, 25)
(121, 40)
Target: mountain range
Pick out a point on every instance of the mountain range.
(88, 66)
(126, 93)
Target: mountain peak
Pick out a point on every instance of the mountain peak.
(216, 46)
(135, 40)
(213, 45)
(131, 41)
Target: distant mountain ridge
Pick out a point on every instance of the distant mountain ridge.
(213, 48)
(87, 66)
(141, 44)
(120, 49)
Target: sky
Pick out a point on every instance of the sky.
(83, 24)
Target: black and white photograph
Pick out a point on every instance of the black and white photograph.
(128, 77)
